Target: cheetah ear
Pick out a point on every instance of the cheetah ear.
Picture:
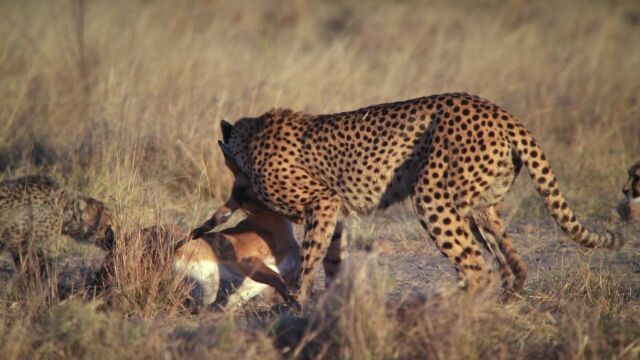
(226, 128)
(229, 160)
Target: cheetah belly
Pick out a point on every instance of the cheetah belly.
(40, 224)
(363, 185)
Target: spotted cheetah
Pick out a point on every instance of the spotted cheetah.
(455, 155)
(35, 210)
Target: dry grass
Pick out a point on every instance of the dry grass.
(138, 276)
(574, 315)
(121, 100)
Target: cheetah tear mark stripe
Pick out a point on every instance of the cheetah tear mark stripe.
(546, 184)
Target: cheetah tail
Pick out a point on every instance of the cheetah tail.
(546, 184)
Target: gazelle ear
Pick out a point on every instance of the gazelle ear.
(226, 128)
(230, 161)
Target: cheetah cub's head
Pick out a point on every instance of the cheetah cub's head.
(629, 208)
(89, 219)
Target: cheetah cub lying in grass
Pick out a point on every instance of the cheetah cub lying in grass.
(35, 210)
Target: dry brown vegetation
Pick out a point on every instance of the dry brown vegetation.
(122, 99)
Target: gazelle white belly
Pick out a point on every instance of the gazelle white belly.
(205, 274)
(246, 288)
(213, 282)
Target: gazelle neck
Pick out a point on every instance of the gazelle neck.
(271, 222)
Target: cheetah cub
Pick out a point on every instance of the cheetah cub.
(35, 210)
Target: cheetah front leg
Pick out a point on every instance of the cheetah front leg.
(27, 239)
(332, 261)
(319, 224)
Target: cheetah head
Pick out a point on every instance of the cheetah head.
(243, 197)
(241, 136)
(236, 145)
(629, 208)
(89, 219)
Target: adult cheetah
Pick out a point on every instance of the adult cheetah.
(35, 210)
(456, 155)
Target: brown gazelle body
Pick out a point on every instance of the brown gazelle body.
(241, 261)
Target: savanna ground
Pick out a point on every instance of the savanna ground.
(121, 100)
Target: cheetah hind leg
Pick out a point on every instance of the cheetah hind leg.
(33, 267)
(452, 235)
(492, 227)
(488, 240)
(31, 261)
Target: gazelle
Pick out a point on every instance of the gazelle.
(236, 264)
